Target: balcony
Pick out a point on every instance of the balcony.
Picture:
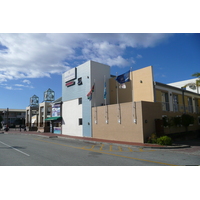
(165, 106)
(180, 108)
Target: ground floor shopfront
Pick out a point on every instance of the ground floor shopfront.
(55, 124)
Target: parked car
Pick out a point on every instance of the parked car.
(5, 127)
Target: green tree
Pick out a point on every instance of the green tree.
(195, 84)
(186, 120)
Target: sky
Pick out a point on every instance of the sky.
(31, 63)
(42, 39)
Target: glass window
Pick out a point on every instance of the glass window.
(80, 121)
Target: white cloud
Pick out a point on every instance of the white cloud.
(24, 56)
(26, 81)
(19, 85)
(139, 56)
(11, 88)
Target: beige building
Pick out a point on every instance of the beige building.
(136, 112)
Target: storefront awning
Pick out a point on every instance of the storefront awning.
(52, 118)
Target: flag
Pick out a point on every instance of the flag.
(122, 86)
(123, 77)
(104, 92)
(89, 95)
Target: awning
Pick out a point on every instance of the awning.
(52, 118)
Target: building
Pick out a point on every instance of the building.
(13, 117)
(192, 87)
(94, 104)
(76, 107)
(38, 114)
(55, 119)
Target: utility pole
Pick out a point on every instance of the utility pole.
(7, 116)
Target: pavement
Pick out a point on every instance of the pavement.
(180, 144)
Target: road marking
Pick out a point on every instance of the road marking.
(131, 150)
(101, 147)
(14, 149)
(139, 159)
(120, 149)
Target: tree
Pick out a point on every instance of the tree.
(195, 84)
(186, 120)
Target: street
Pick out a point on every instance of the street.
(33, 150)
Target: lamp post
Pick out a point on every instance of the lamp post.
(4, 112)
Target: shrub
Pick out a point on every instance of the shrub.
(152, 138)
(164, 140)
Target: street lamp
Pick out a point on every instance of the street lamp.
(4, 112)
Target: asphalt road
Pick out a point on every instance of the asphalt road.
(31, 150)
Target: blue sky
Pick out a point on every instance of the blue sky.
(32, 63)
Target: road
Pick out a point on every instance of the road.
(32, 150)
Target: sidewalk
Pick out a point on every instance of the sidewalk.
(96, 140)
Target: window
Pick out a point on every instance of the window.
(190, 107)
(165, 101)
(79, 101)
(80, 121)
(175, 103)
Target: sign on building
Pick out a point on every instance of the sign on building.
(70, 75)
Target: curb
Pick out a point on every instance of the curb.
(174, 146)
(170, 147)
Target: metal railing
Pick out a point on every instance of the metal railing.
(180, 108)
(165, 106)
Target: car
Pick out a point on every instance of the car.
(5, 127)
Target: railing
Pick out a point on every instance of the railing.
(165, 106)
(176, 107)
(180, 108)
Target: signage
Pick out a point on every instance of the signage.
(70, 75)
(56, 110)
(70, 83)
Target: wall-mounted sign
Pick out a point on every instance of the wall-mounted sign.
(70, 75)
(80, 81)
(56, 110)
(70, 83)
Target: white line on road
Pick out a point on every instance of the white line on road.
(14, 149)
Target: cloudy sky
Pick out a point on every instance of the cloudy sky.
(41, 40)
(25, 56)
(32, 63)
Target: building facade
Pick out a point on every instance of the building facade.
(13, 117)
(77, 108)
(136, 112)
(192, 87)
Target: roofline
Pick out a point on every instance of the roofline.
(13, 110)
(173, 87)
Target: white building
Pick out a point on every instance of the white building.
(191, 88)
(76, 107)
